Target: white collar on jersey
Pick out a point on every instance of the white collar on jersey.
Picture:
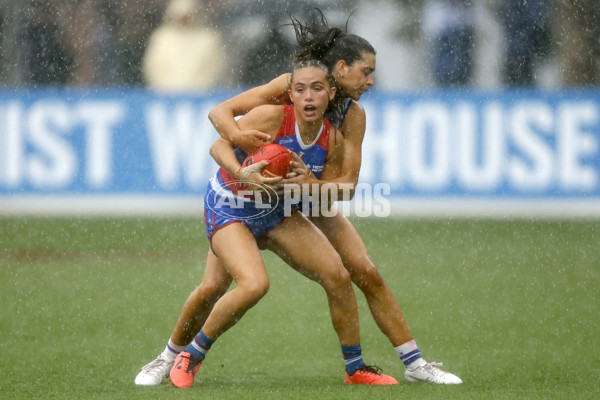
(301, 142)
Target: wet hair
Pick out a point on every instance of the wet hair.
(319, 41)
(311, 63)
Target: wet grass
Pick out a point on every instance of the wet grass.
(510, 306)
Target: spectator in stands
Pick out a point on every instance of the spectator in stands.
(578, 42)
(449, 26)
(182, 53)
(45, 58)
(527, 36)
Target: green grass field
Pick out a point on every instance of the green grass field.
(511, 306)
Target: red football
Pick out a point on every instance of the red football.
(279, 159)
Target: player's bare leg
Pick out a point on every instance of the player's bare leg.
(308, 252)
(301, 245)
(239, 254)
(196, 309)
(382, 303)
(200, 302)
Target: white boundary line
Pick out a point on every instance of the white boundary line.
(497, 208)
(103, 205)
(164, 205)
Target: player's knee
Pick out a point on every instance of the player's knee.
(256, 289)
(335, 277)
(210, 292)
(367, 277)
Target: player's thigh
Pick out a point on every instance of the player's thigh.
(345, 240)
(237, 251)
(302, 246)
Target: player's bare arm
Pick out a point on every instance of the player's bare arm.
(353, 131)
(349, 150)
(335, 158)
(223, 115)
(266, 118)
(222, 152)
(332, 167)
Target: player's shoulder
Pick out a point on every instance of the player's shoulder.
(283, 79)
(356, 110)
(279, 82)
(276, 90)
(354, 125)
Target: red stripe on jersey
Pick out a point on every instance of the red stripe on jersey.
(288, 128)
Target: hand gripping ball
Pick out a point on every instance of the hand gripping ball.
(279, 159)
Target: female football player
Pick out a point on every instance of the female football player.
(235, 233)
(351, 60)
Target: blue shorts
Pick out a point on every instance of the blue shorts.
(222, 207)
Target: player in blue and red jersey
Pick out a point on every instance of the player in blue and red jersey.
(222, 204)
(235, 236)
(351, 61)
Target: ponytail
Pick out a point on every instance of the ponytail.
(319, 41)
(329, 45)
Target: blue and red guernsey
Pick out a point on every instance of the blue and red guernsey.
(313, 154)
(222, 204)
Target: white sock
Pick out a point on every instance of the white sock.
(410, 355)
(172, 350)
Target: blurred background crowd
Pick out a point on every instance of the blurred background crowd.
(202, 44)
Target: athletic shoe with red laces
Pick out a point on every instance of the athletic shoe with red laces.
(369, 375)
(184, 369)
